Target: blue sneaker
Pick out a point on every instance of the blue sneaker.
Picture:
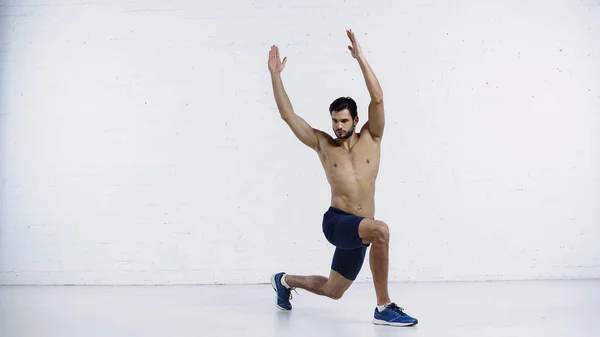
(393, 315)
(283, 294)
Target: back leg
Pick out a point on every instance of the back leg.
(332, 287)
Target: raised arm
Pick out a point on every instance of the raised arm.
(376, 121)
(303, 131)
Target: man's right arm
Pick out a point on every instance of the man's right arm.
(303, 131)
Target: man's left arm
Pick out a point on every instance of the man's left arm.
(376, 121)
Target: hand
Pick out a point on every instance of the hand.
(355, 48)
(275, 63)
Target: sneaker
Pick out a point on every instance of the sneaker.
(393, 315)
(283, 294)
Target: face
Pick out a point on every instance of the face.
(342, 123)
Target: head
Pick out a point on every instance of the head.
(344, 117)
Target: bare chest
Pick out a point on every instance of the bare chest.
(360, 162)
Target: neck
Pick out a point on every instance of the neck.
(347, 143)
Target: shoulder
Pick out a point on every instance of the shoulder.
(365, 131)
(324, 139)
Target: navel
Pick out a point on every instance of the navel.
(334, 165)
(368, 161)
(359, 207)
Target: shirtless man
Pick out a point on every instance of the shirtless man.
(351, 163)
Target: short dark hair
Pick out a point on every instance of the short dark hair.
(344, 103)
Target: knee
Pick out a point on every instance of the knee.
(382, 233)
(335, 294)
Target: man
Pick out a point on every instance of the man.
(351, 163)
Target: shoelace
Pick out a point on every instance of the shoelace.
(394, 307)
(290, 291)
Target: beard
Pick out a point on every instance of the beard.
(347, 134)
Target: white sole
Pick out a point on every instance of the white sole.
(380, 322)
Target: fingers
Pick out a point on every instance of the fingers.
(350, 35)
(274, 52)
(284, 60)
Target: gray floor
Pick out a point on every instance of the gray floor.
(539, 308)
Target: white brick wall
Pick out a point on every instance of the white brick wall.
(140, 142)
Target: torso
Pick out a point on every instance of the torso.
(352, 173)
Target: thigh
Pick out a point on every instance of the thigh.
(348, 262)
(337, 282)
(342, 230)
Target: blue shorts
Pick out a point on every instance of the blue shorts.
(341, 230)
